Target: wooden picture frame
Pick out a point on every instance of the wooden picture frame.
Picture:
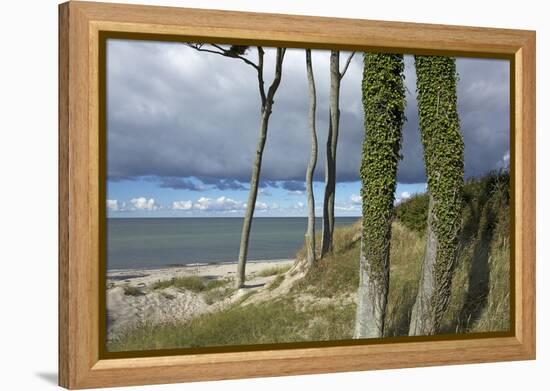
(81, 364)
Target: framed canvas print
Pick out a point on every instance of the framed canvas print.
(248, 195)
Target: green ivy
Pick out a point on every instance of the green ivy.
(444, 161)
(384, 106)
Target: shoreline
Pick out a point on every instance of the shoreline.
(197, 264)
(212, 270)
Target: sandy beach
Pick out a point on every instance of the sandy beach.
(139, 296)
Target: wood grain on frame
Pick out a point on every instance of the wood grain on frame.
(80, 23)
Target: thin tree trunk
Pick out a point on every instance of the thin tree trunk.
(332, 143)
(257, 165)
(310, 235)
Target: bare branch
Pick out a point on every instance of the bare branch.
(278, 74)
(260, 70)
(348, 61)
(222, 52)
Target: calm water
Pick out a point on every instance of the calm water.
(157, 242)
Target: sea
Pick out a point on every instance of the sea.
(148, 243)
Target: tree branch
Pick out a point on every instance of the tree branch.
(348, 61)
(278, 73)
(222, 52)
(260, 70)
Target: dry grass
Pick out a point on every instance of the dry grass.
(191, 283)
(275, 270)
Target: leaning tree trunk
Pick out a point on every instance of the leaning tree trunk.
(332, 143)
(383, 105)
(310, 235)
(444, 159)
(267, 105)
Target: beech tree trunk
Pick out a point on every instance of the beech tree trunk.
(267, 105)
(384, 108)
(372, 298)
(422, 322)
(444, 159)
(332, 143)
(310, 235)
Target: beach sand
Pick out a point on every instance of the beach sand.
(132, 300)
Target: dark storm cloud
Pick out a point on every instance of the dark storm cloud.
(224, 184)
(180, 183)
(293, 185)
(199, 184)
(174, 113)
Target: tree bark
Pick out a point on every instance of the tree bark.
(384, 109)
(421, 322)
(372, 297)
(267, 105)
(310, 235)
(332, 143)
(444, 159)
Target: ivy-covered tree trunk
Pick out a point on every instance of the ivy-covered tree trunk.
(332, 143)
(444, 160)
(383, 105)
(310, 235)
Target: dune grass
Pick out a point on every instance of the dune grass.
(278, 321)
(215, 295)
(274, 270)
(191, 283)
(277, 281)
(479, 299)
(132, 291)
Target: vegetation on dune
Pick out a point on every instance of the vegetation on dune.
(271, 271)
(278, 321)
(481, 295)
(132, 291)
(191, 283)
(276, 282)
(321, 305)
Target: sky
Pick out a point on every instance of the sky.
(182, 129)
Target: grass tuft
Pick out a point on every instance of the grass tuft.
(274, 270)
(277, 281)
(191, 283)
(133, 291)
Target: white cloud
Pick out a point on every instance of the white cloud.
(182, 205)
(405, 195)
(142, 203)
(220, 204)
(261, 205)
(113, 205)
(355, 199)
